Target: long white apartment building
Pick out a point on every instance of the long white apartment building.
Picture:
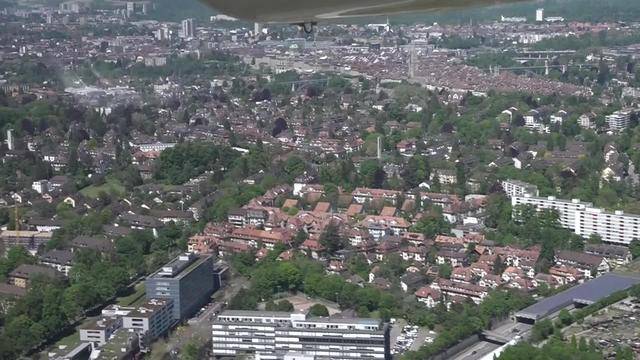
(584, 219)
(567, 209)
(282, 335)
(613, 227)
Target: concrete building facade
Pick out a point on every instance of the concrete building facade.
(280, 335)
(187, 280)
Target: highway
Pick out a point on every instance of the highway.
(509, 330)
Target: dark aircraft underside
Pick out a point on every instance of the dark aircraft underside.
(301, 11)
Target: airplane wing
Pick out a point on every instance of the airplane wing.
(302, 11)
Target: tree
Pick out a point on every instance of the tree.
(283, 305)
(595, 239)
(541, 330)
(445, 270)
(432, 225)
(634, 248)
(498, 266)
(318, 310)
(331, 238)
(565, 317)
(372, 174)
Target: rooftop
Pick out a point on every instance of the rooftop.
(180, 266)
(586, 294)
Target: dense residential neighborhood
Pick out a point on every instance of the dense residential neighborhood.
(181, 184)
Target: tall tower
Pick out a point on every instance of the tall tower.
(540, 15)
(379, 143)
(412, 61)
(11, 141)
(257, 29)
(188, 28)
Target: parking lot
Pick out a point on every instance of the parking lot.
(406, 337)
(614, 326)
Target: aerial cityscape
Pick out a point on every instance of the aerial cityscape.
(180, 182)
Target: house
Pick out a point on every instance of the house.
(354, 210)
(141, 222)
(257, 238)
(414, 253)
(445, 176)
(388, 211)
(452, 289)
(512, 274)
(463, 275)
(615, 255)
(45, 225)
(566, 274)
(248, 217)
(590, 265)
(455, 258)
(322, 207)
(587, 121)
(388, 245)
(409, 282)
(61, 260)
(363, 195)
(98, 243)
(428, 296)
(357, 236)
(406, 147)
(175, 216)
(25, 273)
(313, 247)
(378, 226)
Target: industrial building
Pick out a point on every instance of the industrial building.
(582, 295)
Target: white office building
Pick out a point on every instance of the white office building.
(151, 320)
(584, 220)
(519, 188)
(281, 335)
(540, 15)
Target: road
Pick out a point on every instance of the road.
(508, 330)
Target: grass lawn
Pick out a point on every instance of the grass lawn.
(70, 341)
(135, 298)
(110, 185)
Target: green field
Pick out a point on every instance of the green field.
(110, 186)
(134, 299)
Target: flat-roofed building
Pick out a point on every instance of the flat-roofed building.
(280, 335)
(188, 280)
(519, 188)
(30, 240)
(99, 331)
(585, 220)
(151, 320)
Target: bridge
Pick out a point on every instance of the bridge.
(546, 67)
(494, 337)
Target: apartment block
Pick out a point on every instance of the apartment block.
(519, 188)
(585, 220)
(567, 209)
(619, 120)
(281, 335)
